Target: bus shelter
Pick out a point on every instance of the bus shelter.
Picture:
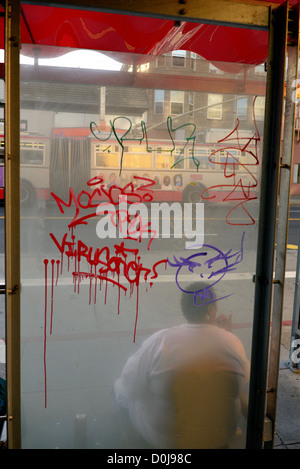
(144, 153)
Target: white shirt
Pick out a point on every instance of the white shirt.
(144, 386)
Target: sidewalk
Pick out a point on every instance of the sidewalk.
(288, 397)
(288, 403)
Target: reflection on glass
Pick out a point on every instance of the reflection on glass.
(113, 182)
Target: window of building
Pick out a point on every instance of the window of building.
(159, 96)
(241, 108)
(177, 102)
(215, 106)
(296, 175)
(178, 58)
(259, 108)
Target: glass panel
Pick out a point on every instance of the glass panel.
(259, 108)
(177, 102)
(3, 433)
(214, 106)
(138, 227)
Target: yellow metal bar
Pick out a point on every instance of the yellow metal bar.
(252, 14)
(12, 222)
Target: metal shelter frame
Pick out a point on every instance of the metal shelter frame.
(282, 22)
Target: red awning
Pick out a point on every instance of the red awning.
(64, 27)
(115, 33)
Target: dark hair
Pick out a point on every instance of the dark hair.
(195, 301)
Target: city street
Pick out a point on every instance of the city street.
(214, 216)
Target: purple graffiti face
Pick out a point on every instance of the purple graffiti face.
(210, 265)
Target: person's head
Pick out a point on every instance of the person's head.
(166, 180)
(198, 303)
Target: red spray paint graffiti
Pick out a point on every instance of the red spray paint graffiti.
(238, 190)
(119, 266)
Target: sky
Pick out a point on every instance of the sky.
(75, 59)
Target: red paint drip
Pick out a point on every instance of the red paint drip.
(52, 291)
(119, 293)
(95, 291)
(45, 331)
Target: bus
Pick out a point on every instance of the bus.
(180, 170)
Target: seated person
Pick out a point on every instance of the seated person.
(145, 390)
